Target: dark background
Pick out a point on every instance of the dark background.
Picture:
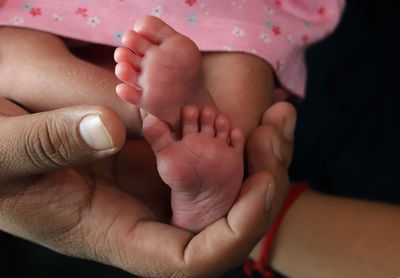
(347, 139)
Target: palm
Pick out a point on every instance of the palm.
(133, 174)
(98, 201)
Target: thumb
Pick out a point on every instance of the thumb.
(38, 143)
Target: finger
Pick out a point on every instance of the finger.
(215, 250)
(227, 243)
(270, 148)
(38, 143)
(147, 248)
(9, 108)
(282, 116)
(119, 230)
(264, 149)
(262, 156)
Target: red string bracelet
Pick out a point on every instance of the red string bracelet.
(262, 264)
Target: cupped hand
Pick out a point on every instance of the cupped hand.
(68, 182)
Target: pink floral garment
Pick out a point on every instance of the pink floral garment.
(276, 30)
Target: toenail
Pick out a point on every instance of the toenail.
(276, 147)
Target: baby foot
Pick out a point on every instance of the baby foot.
(161, 70)
(204, 169)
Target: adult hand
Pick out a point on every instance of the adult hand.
(276, 132)
(270, 148)
(114, 210)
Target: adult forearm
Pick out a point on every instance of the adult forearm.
(326, 236)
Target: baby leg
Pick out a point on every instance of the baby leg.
(241, 85)
(38, 71)
(162, 70)
(204, 169)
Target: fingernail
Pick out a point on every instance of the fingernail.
(276, 147)
(289, 124)
(270, 195)
(95, 133)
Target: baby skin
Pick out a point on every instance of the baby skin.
(204, 168)
(161, 71)
(203, 165)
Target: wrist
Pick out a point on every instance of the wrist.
(262, 263)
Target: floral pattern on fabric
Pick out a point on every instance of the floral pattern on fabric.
(278, 31)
